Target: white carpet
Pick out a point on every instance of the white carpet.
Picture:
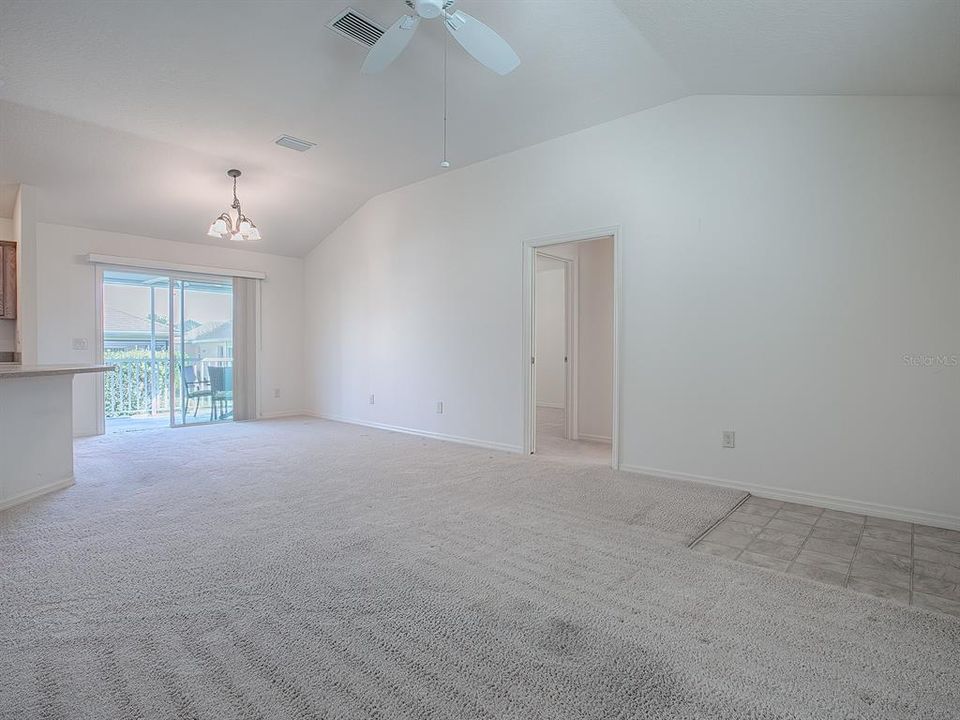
(306, 569)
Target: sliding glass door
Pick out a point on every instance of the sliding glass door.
(170, 338)
(201, 351)
(136, 395)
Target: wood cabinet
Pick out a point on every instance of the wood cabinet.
(8, 280)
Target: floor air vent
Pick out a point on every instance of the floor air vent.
(355, 26)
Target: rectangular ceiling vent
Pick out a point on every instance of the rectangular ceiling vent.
(355, 26)
(293, 143)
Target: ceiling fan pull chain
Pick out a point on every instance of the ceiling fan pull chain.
(445, 163)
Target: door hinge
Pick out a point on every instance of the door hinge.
(533, 360)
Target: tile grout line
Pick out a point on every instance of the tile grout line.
(803, 544)
(769, 518)
(856, 550)
(754, 537)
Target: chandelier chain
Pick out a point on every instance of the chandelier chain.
(236, 200)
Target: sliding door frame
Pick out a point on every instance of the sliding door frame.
(178, 312)
(151, 268)
(98, 350)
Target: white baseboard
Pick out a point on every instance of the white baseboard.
(595, 438)
(283, 414)
(36, 492)
(555, 406)
(911, 515)
(921, 517)
(422, 433)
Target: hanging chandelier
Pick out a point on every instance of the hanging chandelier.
(224, 227)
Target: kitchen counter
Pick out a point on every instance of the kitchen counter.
(36, 429)
(13, 370)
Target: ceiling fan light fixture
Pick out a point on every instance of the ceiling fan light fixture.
(225, 228)
(428, 9)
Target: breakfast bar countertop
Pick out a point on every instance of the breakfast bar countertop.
(13, 370)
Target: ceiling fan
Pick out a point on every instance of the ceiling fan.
(476, 38)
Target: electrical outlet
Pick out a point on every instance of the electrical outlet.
(440, 407)
(276, 392)
(729, 439)
(79, 343)
(371, 398)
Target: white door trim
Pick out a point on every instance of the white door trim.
(529, 400)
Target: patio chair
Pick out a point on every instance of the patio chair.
(193, 389)
(221, 386)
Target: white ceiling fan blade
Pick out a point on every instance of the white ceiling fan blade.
(390, 45)
(483, 43)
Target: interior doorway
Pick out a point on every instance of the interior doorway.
(170, 339)
(571, 299)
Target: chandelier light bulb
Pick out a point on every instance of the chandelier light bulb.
(218, 228)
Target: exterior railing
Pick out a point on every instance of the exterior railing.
(140, 386)
(137, 386)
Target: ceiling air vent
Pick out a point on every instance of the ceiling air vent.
(294, 143)
(355, 26)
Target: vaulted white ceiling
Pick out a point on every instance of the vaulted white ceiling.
(127, 115)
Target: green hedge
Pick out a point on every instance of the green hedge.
(129, 390)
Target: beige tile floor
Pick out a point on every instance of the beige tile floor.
(913, 564)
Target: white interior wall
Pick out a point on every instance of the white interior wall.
(66, 309)
(789, 264)
(595, 361)
(551, 322)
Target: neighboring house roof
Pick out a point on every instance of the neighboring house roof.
(121, 325)
(120, 321)
(215, 331)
